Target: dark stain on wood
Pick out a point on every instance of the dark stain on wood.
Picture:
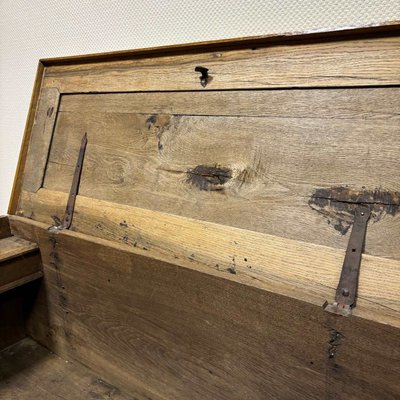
(210, 178)
(338, 204)
(151, 121)
(63, 302)
(161, 122)
(335, 340)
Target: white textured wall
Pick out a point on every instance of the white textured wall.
(30, 30)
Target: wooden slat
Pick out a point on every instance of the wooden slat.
(29, 371)
(365, 103)
(167, 332)
(14, 247)
(302, 141)
(21, 281)
(19, 262)
(359, 62)
(39, 143)
(301, 270)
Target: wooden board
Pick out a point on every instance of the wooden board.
(256, 160)
(20, 262)
(29, 371)
(14, 246)
(302, 270)
(167, 332)
(287, 65)
(42, 133)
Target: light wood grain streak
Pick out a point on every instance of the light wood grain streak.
(344, 63)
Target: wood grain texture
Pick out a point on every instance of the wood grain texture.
(39, 143)
(274, 157)
(325, 104)
(19, 271)
(167, 332)
(20, 263)
(14, 246)
(303, 65)
(29, 371)
(301, 270)
(19, 173)
(4, 227)
(20, 279)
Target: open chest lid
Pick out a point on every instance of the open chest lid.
(246, 160)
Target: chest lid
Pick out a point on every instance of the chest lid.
(220, 153)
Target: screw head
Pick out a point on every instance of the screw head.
(345, 292)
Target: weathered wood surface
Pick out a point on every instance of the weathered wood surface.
(39, 143)
(19, 271)
(301, 270)
(28, 371)
(19, 262)
(166, 332)
(263, 173)
(19, 173)
(4, 227)
(171, 307)
(342, 63)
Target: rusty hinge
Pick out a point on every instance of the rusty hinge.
(69, 211)
(346, 291)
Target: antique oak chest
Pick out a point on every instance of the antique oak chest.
(215, 221)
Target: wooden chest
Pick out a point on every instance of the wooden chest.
(219, 187)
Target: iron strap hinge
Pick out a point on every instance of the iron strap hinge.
(346, 291)
(69, 211)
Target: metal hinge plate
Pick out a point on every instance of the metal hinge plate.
(69, 211)
(346, 291)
